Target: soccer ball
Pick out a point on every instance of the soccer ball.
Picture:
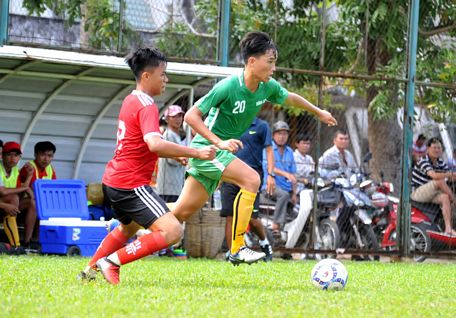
(329, 274)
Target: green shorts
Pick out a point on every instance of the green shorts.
(209, 172)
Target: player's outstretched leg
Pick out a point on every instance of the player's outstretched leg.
(111, 243)
(165, 231)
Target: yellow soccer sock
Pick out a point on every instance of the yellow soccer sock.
(242, 211)
(11, 231)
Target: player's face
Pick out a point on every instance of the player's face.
(43, 159)
(155, 79)
(264, 65)
(11, 159)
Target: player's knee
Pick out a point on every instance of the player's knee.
(253, 181)
(174, 233)
(445, 199)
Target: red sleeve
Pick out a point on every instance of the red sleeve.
(22, 174)
(54, 176)
(18, 183)
(149, 120)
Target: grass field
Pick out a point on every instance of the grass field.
(45, 286)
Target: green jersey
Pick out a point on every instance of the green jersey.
(232, 107)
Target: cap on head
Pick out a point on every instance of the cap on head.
(11, 146)
(280, 125)
(173, 110)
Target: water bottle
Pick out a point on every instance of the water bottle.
(217, 200)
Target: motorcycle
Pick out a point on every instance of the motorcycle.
(426, 232)
(353, 216)
(296, 231)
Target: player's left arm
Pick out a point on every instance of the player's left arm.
(296, 100)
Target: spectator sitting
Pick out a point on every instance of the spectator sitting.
(337, 159)
(41, 165)
(305, 165)
(171, 171)
(419, 148)
(429, 183)
(15, 197)
(284, 171)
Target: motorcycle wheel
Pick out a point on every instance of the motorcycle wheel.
(420, 241)
(329, 234)
(370, 242)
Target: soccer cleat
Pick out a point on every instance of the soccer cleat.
(246, 255)
(267, 250)
(88, 274)
(109, 270)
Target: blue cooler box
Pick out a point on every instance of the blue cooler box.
(65, 227)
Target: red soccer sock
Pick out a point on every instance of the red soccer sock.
(111, 243)
(143, 246)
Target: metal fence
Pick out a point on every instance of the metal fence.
(350, 58)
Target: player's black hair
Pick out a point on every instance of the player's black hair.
(435, 140)
(144, 57)
(43, 146)
(256, 43)
(421, 137)
(302, 137)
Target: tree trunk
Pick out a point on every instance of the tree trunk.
(385, 136)
(83, 35)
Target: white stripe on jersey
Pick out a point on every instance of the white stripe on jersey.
(211, 124)
(240, 79)
(145, 99)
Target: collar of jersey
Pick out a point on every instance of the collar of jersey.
(242, 83)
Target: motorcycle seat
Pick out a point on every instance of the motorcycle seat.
(429, 208)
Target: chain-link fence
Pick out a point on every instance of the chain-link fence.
(349, 57)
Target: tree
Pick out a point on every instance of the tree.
(101, 23)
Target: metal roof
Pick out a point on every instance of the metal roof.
(73, 99)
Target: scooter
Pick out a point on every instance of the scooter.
(426, 230)
(296, 231)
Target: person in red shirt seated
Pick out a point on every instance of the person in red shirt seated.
(41, 165)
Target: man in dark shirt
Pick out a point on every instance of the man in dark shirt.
(429, 182)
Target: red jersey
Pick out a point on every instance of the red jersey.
(37, 174)
(133, 163)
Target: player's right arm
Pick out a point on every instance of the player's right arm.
(167, 149)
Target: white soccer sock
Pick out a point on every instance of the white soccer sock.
(264, 242)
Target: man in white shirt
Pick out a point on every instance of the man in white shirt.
(305, 165)
(338, 159)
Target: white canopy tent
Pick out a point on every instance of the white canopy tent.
(73, 100)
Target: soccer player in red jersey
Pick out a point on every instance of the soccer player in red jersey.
(127, 175)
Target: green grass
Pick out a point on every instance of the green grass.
(45, 286)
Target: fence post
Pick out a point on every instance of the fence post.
(315, 233)
(224, 35)
(4, 15)
(121, 25)
(403, 227)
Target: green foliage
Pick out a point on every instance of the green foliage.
(46, 286)
(178, 41)
(102, 20)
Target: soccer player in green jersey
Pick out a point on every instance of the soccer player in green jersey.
(231, 106)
